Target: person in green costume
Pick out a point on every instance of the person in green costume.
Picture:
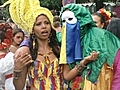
(98, 74)
(40, 60)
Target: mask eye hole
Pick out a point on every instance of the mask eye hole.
(63, 21)
(70, 19)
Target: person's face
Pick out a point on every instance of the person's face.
(42, 27)
(97, 20)
(18, 38)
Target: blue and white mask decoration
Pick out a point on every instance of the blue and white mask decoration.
(70, 47)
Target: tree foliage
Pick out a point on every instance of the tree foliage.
(51, 4)
(86, 1)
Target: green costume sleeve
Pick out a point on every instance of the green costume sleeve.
(58, 35)
(106, 43)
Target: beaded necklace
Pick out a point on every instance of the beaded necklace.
(46, 56)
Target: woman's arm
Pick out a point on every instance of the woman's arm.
(21, 60)
(71, 74)
(19, 83)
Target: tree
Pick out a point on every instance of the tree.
(2, 1)
(52, 4)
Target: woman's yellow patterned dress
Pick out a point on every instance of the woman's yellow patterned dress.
(44, 77)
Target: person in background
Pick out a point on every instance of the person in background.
(101, 18)
(81, 34)
(113, 27)
(6, 57)
(57, 27)
(113, 15)
(26, 35)
(18, 37)
(2, 21)
(11, 23)
(56, 24)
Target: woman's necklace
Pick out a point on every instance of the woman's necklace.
(47, 60)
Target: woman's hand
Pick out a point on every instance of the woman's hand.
(22, 58)
(92, 57)
(21, 61)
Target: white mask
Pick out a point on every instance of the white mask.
(69, 17)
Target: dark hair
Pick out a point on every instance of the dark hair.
(102, 18)
(54, 44)
(113, 14)
(56, 18)
(17, 30)
(56, 21)
(114, 27)
(56, 24)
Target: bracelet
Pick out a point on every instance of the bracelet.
(17, 74)
(80, 67)
(18, 70)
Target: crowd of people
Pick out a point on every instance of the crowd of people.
(75, 50)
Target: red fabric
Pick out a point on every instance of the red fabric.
(9, 76)
(2, 55)
(53, 82)
(42, 82)
(6, 30)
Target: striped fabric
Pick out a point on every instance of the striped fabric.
(44, 77)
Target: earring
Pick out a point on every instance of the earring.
(48, 40)
(33, 37)
(50, 35)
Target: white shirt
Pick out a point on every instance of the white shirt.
(6, 68)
